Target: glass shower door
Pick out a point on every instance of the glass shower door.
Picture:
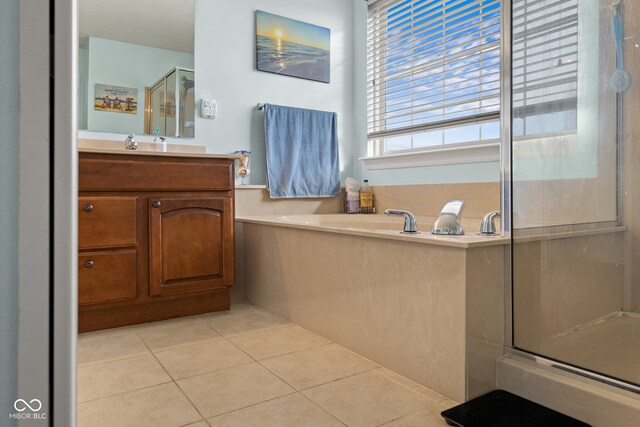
(574, 296)
(156, 111)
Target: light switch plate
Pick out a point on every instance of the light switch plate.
(209, 106)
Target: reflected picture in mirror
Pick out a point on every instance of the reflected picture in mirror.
(142, 50)
(116, 99)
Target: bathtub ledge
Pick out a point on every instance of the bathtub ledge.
(471, 240)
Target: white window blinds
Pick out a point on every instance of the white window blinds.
(432, 64)
(545, 66)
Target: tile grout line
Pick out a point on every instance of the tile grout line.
(280, 325)
(252, 405)
(336, 380)
(317, 385)
(250, 356)
(215, 370)
(185, 345)
(278, 376)
(176, 383)
(125, 392)
(292, 352)
(99, 362)
(323, 409)
(353, 352)
(381, 368)
(175, 346)
(407, 414)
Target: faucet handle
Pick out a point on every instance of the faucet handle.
(410, 224)
(488, 226)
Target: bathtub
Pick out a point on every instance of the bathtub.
(428, 307)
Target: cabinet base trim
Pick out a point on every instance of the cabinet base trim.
(114, 317)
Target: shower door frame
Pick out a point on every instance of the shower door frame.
(506, 205)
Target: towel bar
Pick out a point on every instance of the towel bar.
(261, 107)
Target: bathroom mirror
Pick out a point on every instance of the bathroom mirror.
(135, 67)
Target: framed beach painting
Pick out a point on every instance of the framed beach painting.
(116, 99)
(293, 48)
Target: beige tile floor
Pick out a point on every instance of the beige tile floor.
(244, 367)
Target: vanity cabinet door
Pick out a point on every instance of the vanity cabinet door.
(190, 245)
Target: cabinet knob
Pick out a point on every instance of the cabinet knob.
(88, 207)
(88, 264)
(156, 204)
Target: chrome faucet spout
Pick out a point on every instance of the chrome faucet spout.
(410, 224)
(449, 220)
(130, 143)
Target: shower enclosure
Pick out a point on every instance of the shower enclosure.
(574, 200)
(171, 105)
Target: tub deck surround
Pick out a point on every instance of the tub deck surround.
(428, 199)
(423, 199)
(255, 200)
(433, 312)
(380, 226)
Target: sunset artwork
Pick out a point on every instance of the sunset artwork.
(293, 48)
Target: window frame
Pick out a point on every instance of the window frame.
(445, 153)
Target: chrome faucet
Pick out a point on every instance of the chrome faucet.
(488, 226)
(449, 220)
(130, 143)
(410, 224)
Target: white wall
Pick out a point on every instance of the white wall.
(225, 66)
(9, 161)
(128, 65)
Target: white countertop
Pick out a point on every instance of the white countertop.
(149, 148)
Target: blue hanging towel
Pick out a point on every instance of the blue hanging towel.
(302, 152)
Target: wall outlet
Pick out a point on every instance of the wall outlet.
(209, 106)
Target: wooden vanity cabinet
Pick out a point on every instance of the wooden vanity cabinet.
(153, 245)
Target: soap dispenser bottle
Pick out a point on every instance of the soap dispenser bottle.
(367, 205)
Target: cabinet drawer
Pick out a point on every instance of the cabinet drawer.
(107, 222)
(107, 276)
(140, 173)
